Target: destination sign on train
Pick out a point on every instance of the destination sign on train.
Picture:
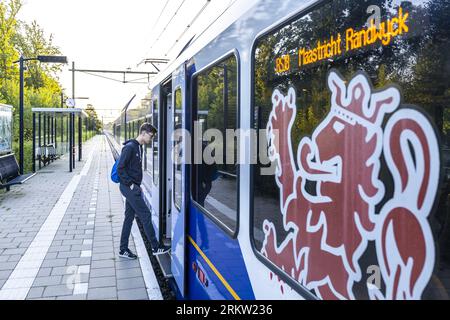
(338, 44)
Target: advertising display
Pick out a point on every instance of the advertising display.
(5, 129)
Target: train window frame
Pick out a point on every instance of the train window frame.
(174, 164)
(233, 234)
(148, 147)
(304, 292)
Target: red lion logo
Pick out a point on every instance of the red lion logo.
(330, 229)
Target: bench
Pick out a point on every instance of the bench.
(46, 154)
(10, 172)
(51, 152)
(40, 153)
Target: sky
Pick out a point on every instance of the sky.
(116, 35)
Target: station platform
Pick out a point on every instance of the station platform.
(60, 234)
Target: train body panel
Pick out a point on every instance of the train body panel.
(213, 253)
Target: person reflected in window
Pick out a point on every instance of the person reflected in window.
(207, 173)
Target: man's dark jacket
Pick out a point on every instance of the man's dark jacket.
(129, 168)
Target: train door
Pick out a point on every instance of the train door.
(177, 163)
(168, 165)
(162, 172)
(155, 162)
(166, 174)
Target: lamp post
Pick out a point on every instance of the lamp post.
(21, 61)
(21, 98)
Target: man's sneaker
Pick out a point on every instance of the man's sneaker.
(127, 254)
(161, 250)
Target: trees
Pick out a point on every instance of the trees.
(96, 124)
(8, 29)
(31, 41)
(42, 87)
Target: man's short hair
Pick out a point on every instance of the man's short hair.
(147, 127)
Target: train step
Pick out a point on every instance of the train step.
(165, 264)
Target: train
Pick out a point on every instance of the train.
(328, 127)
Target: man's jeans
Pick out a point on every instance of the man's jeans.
(135, 205)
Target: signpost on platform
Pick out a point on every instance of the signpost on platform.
(71, 103)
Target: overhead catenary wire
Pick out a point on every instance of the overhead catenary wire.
(189, 26)
(154, 25)
(103, 77)
(196, 37)
(168, 23)
(209, 26)
(160, 15)
(132, 81)
(152, 28)
(214, 21)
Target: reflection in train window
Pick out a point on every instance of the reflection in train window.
(215, 183)
(335, 213)
(155, 150)
(177, 123)
(117, 133)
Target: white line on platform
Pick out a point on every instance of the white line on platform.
(21, 279)
(153, 289)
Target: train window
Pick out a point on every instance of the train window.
(350, 197)
(155, 164)
(130, 130)
(177, 125)
(117, 134)
(215, 184)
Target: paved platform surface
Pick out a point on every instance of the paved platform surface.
(60, 233)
